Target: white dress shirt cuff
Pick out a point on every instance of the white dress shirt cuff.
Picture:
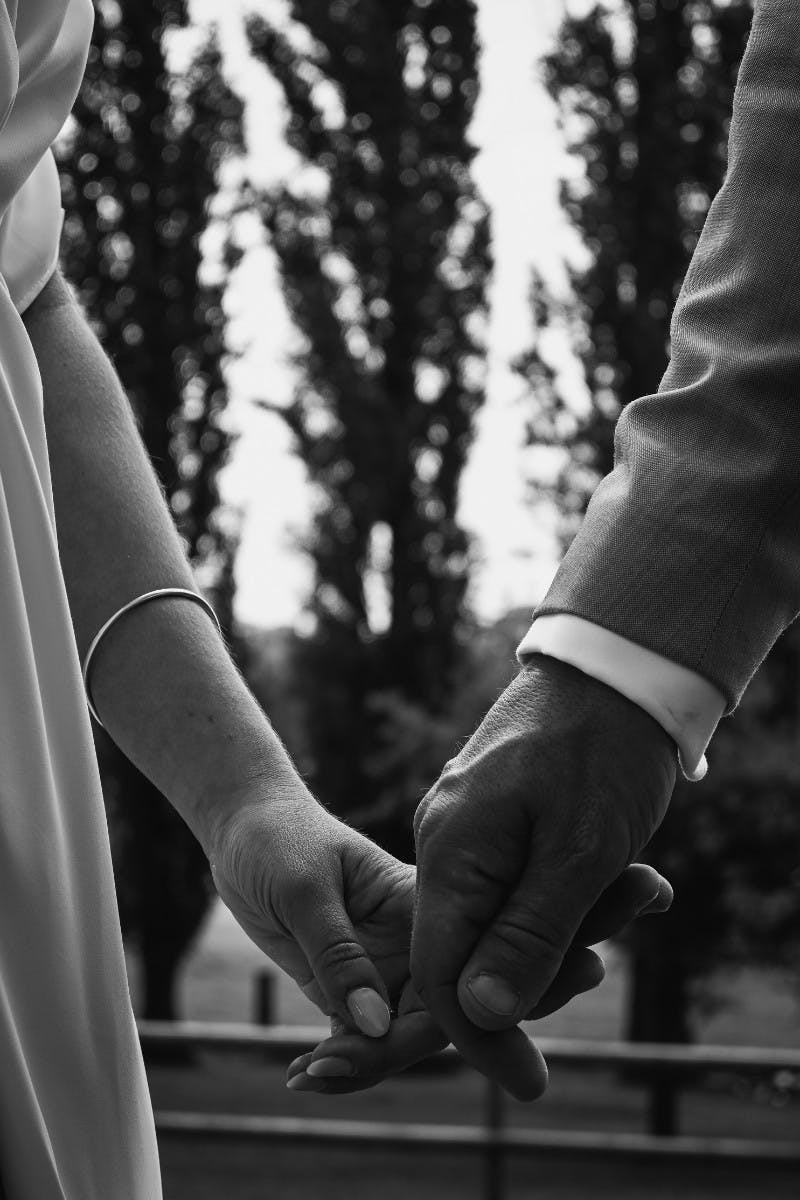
(684, 703)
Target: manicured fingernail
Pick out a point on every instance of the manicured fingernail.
(494, 993)
(296, 1062)
(299, 1083)
(369, 1012)
(325, 1067)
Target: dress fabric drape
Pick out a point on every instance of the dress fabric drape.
(76, 1121)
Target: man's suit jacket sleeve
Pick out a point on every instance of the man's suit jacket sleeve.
(691, 546)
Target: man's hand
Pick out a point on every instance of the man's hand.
(349, 1062)
(326, 904)
(334, 910)
(555, 794)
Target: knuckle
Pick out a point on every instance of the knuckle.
(422, 809)
(595, 841)
(427, 818)
(463, 873)
(451, 769)
(333, 956)
(586, 846)
(430, 814)
(526, 936)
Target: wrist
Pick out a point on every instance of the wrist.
(603, 702)
(594, 743)
(618, 738)
(172, 699)
(269, 784)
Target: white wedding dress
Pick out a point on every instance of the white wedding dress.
(75, 1116)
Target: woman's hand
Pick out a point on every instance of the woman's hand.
(335, 911)
(321, 900)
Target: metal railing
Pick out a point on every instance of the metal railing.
(667, 1067)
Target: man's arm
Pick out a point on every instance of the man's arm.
(690, 548)
(685, 571)
(162, 679)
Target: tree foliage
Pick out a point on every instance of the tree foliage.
(139, 168)
(644, 92)
(383, 266)
(411, 743)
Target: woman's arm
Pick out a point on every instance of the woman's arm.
(315, 895)
(326, 904)
(162, 680)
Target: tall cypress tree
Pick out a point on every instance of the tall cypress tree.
(384, 275)
(647, 87)
(648, 94)
(138, 169)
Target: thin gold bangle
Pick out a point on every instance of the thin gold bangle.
(132, 604)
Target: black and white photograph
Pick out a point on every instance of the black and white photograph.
(399, 575)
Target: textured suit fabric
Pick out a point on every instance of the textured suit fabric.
(691, 545)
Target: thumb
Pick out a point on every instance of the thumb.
(519, 955)
(350, 981)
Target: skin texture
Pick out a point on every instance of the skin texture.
(560, 786)
(537, 797)
(413, 1035)
(523, 853)
(559, 789)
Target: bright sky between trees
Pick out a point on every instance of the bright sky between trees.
(520, 160)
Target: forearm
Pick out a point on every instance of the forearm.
(691, 546)
(162, 680)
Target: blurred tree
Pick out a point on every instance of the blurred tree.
(644, 92)
(139, 166)
(382, 243)
(411, 744)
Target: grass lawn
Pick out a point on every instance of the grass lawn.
(218, 985)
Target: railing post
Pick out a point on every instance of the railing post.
(264, 998)
(495, 1183)
(663, 1113)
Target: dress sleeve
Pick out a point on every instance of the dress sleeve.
(30, 233)
(44, 46)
